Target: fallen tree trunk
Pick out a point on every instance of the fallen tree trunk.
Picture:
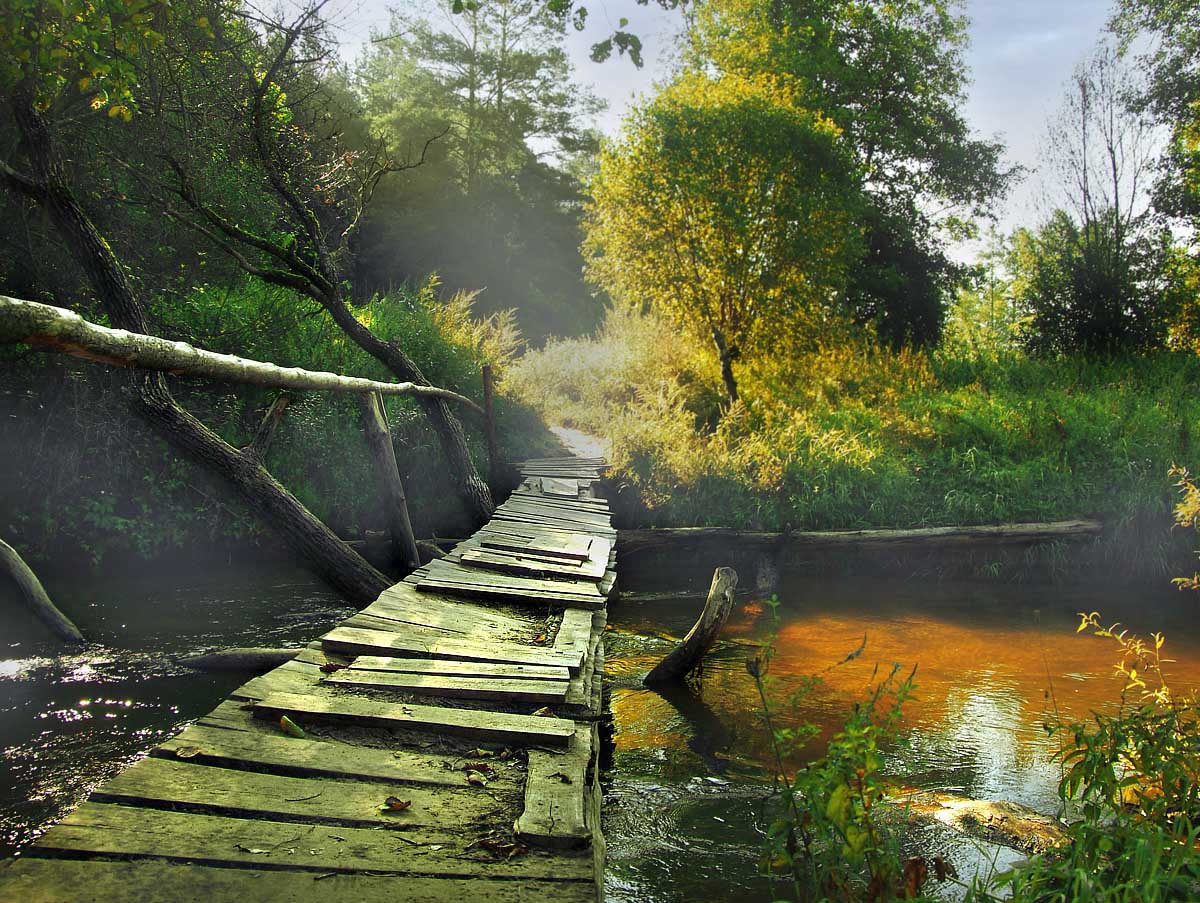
(309, 539)
(242, 658)
(58, 329)
(632, 542)
(34, 595)
(689, 653)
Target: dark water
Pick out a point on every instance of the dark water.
(69, 722)
(691, 771)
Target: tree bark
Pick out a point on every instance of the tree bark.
(688, 654)
(727, 356)
(387, 472)
(265, 433)
(34, 595)
(489, 425)
(58, 329)
(471, 489)
(313, 542)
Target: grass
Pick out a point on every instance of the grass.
(853, 436)
(83, 480)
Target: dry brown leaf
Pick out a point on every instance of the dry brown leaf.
(474, 777)
(545, 712)
(394, 804)
(331, 667)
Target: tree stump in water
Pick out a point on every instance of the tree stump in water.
(688, 654)
(34, 595)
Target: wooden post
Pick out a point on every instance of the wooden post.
(383, 455)
(489, 420)
(688, 654)
(266, 428)
(34, 594)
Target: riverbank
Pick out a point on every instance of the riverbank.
(858, 437)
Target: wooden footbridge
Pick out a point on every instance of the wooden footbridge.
(440, 745)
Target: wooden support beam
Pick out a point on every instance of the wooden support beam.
(266, 428)
(387, 474)
(489, 421)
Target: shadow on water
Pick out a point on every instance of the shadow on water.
(72, 717)
(691, 770)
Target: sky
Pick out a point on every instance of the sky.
(1022, 53)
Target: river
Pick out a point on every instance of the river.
(688, 771)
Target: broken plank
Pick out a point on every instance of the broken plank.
(499, 727)
(461, 668)
(554, 794)
(127, 831)
(512, 594)
(377, 642)
(278, 753)
(453, 686)
(575, 549)
(456, 573)
(150, 881)
(531, 565)
(247, 794)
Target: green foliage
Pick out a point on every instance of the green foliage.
(831, 838)
(1133, 779)
(1171, 94)
(77, 51)
(854, 436)
(112, 488)
(1092, 289)
(893, 78)
(728, 208)
(488, 101)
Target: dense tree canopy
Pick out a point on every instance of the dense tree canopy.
(893, 79)
(729, 207)
(495, 205)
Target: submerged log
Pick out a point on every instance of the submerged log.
(688, 654)
(631, 542)
(245, 658)
(34, 595)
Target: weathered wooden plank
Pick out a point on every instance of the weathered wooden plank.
(248, 794)
(508, 593)
(429, 609)
(149, 881)
(574, 633)
(531, 564)
(535, 586)
(127, 831)
(537, 507)
(567, 503)
(460, 668)
(573, 549)
(280, 754)
(542, 522)
(377, 642)
(499, 727)
(554, 794)
(453, 686)
(290, 677)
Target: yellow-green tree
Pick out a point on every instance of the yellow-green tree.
(728, 207)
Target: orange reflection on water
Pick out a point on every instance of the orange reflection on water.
(986, 682)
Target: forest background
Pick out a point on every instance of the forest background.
(748, 291)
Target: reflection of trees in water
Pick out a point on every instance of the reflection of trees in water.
(990, 744)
